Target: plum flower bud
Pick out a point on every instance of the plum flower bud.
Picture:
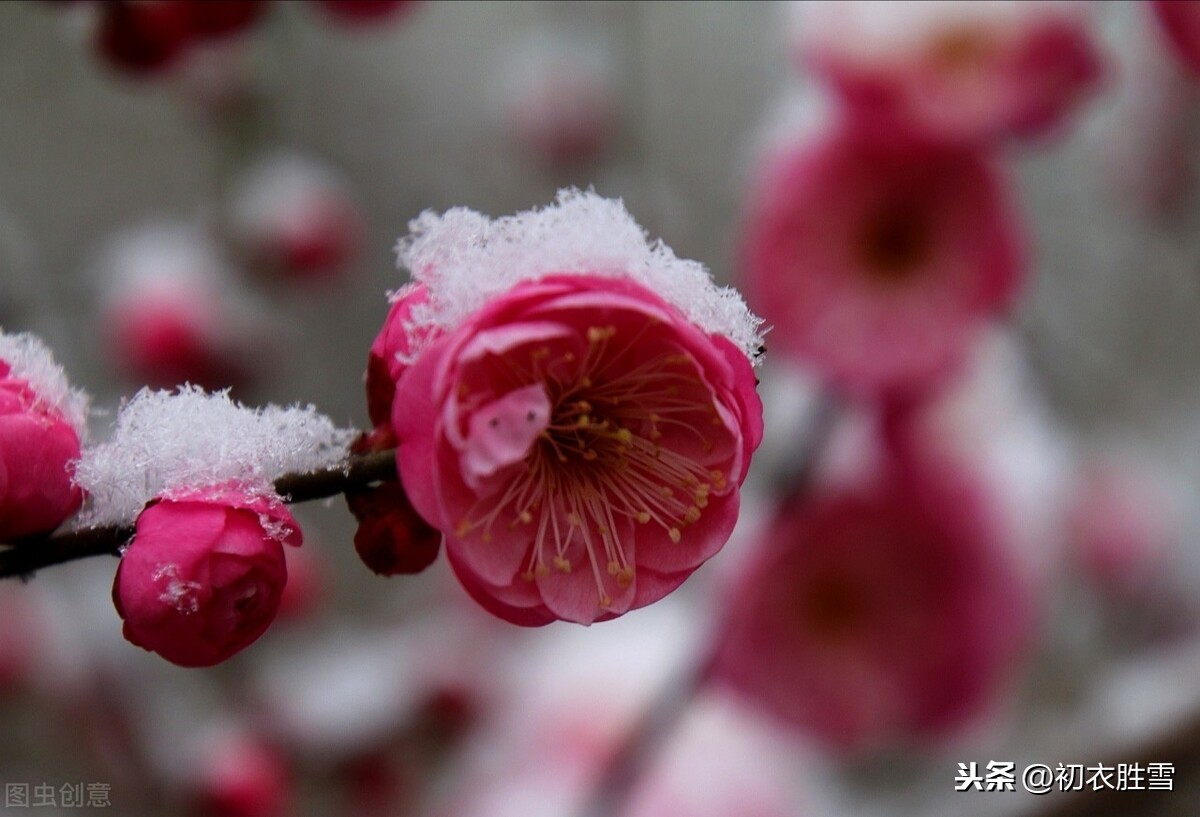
(41, 422)
(970, 71)
(877, 260)
(203, 577)
(878, 612)
(295, 219)
(1180, 21)
(391, 348)
(143, 38)
(578, 438)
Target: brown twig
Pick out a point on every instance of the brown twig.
(359, 470)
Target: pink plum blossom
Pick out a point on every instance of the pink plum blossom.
(877, 612)
(39, 444)
(204, 574)
(580, 443)
(972, 71)
(878, 259)
(1180, 21)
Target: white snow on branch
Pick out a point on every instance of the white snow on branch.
(32, 361)
(465, 259)
(172, 441)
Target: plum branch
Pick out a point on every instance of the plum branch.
(25, 556)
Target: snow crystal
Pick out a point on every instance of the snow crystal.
(465, 258)
(30, 360)
(172, 441)
(180, 594)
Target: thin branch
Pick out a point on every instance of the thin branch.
(357, 471)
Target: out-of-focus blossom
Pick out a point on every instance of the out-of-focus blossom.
(306, 588)
(170, 311)
(295, 219)
(241, 776)
(580, 443)
(581, 410)
(365, 12)
(40, 428)
(883, 611)
(954, 70)
(1121, 526)
(1180, 21)
(559, 96)
(204, 574)
(145, 37)
(878, 260)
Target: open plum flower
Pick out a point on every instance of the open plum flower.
(971, 71)
(877, 259)
(204, 575)
(883, 610)
(578, 438)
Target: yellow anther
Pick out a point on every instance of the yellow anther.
(526, 517)
(675, 535)
(625, 578)
(613, 568)
(462, 528)
(589, 454)
(574, 519)
(624, 435)
(562, 565)
(701, 499)
(693, 513)
(643, 517)
(527, 575)
(541, 571)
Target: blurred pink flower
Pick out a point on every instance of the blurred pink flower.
(241, 776)
(969, 71)
(171, 311)
(296, 219)
(38, 448)
(560, 96)
(879, 612)
(1121, 525)
(1180, 21)
(203, 576)
(878, 259)
(580, 443)
(365, 12)
(145, 37)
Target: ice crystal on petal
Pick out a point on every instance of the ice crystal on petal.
(167, 442)
(30, 360)
(465, 259)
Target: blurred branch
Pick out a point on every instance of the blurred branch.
(27, 555)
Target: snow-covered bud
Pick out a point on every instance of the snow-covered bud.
(391, 353)
(203, 577)
(41, 422)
